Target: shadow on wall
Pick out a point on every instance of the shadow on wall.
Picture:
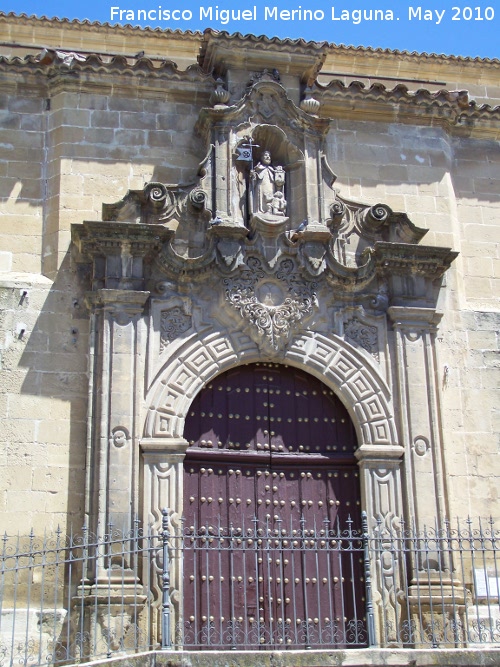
(44, 368)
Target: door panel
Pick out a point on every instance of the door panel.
(269, 474)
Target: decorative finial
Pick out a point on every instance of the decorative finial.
(309, 104)
(220, 96)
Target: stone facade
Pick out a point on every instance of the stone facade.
(142, 254)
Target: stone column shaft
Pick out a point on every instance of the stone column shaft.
(222, 164)
(312, 188)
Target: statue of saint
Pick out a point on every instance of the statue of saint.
(267, 187)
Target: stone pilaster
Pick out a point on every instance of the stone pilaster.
(116, 368)
(419, 410)
(380, 470)
(163, 487)
(222, 173)
(420, 421)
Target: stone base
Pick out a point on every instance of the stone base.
(29, 636)
(350, 658)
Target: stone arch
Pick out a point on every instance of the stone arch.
(346, 370)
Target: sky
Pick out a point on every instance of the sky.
(452, 27)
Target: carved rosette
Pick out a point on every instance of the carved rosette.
(272, 306)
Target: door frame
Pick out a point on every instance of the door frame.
(351, 374)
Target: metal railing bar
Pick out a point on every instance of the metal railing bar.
(48, 578)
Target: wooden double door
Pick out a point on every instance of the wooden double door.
(271, 514)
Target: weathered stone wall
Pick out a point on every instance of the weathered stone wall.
(62, 160)
(66, 150)
(22, 164)
(471, 388)
(450, 187)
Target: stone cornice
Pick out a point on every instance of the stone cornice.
(331, 50)
(118, 252)
(110, 70)
(86, 26)
(222, 51)
(336, 51)
(94, 238)
(402, 259)
(55, 73)
(453, 110)
(50, 63)
(390, 259)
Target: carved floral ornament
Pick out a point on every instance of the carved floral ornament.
(174, 322)
(271, 306)
(362, 334)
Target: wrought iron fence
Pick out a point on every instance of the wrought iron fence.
(438, 587)
(72, 599)
(68, 599)
(290, 585)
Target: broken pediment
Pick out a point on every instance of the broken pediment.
(356, 228)
(266, 101)
(355, 247)
(158, 203)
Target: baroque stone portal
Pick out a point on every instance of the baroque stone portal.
(267, 263)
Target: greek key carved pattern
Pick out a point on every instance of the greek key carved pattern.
(173, 323)
(310, 351)
(271, 306)
(364, 335)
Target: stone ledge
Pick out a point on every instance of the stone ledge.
(13, 280)
(480, 657)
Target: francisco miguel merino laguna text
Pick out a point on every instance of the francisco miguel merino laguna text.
(225, 16)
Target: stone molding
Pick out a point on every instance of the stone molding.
(86, 27)
(163, 488)
(218, 53)
(454, 111)
(338, 364)
(412, 319)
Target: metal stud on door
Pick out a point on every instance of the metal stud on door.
(270, 483)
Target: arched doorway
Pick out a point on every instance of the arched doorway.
(272, 508)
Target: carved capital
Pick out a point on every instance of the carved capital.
(414, 320)
(171, 447)
(118, 251)
(123, 305)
